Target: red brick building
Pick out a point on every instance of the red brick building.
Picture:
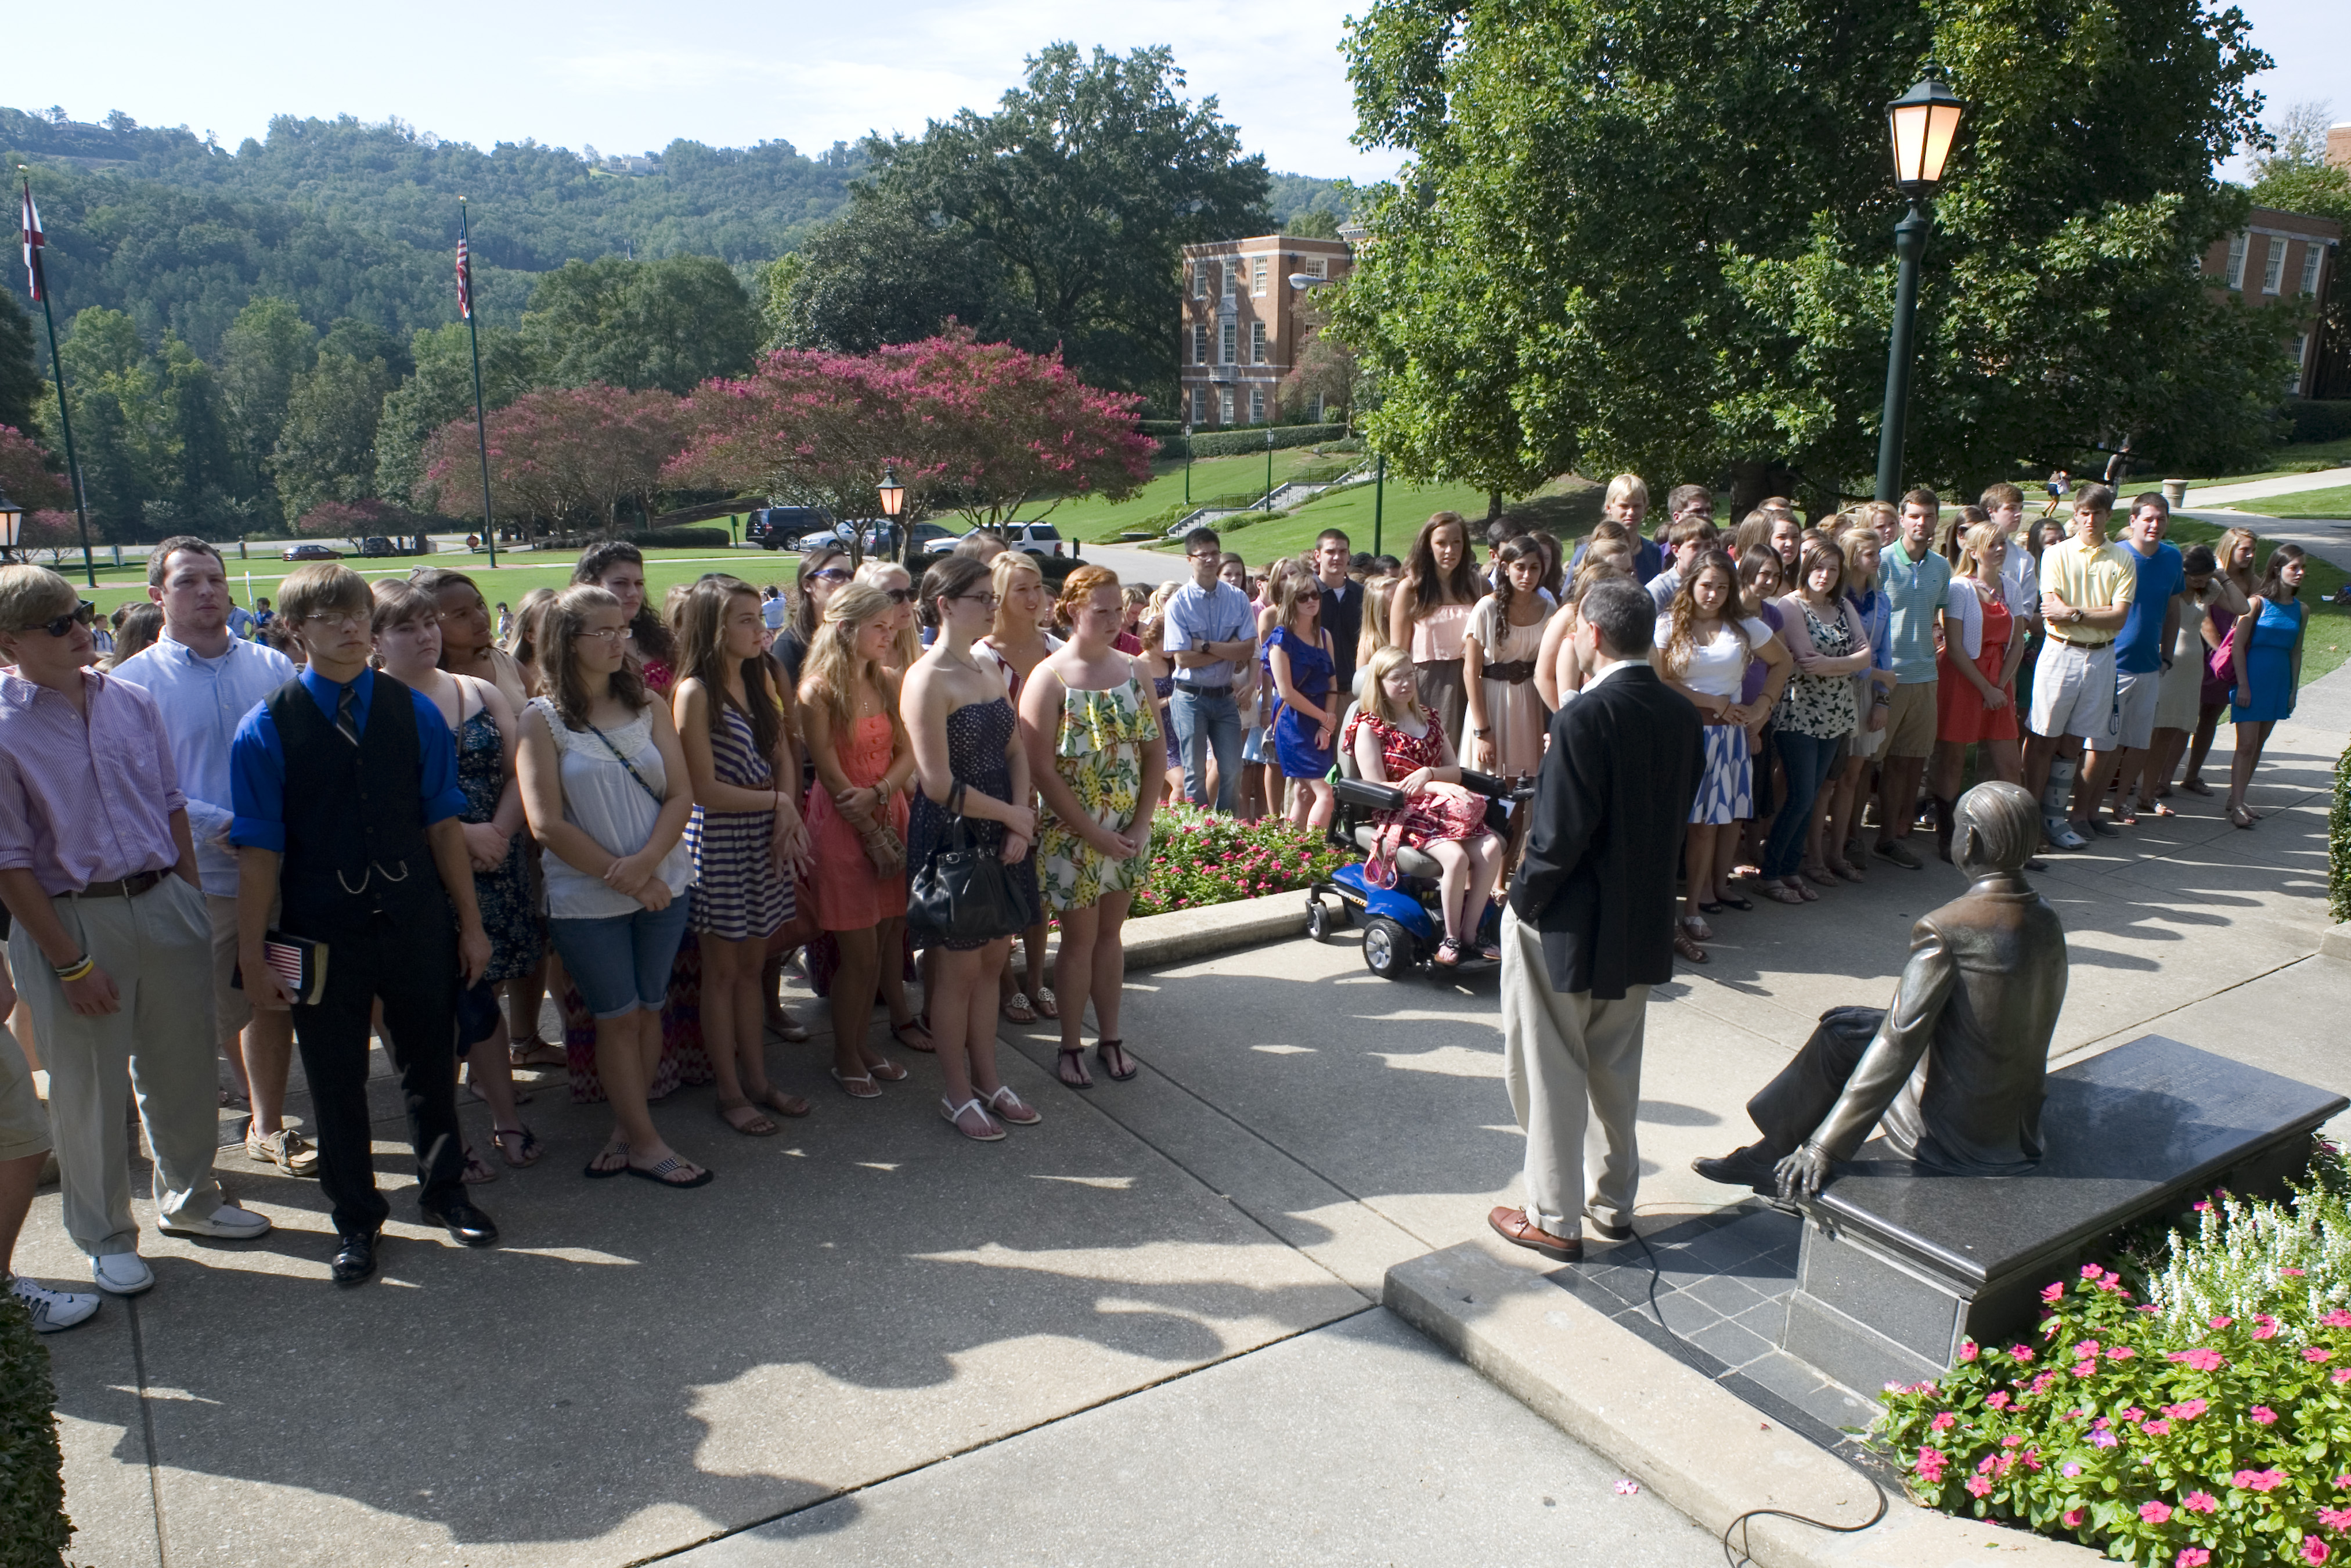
(2282, 256)
(1240, 324)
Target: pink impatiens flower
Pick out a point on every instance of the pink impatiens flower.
(2313, 1551)
(2337, 1318)
(2091, 1271)
(1930, 1465)
(2155, 1510)
(2201, 1358)
(2260, 1480)
(2199, 1502)
(1943, 1422)
(1966, 1350)
(2186, 1410)
(2071, 1518)
(2221, 1322)
(2312, 1353)
(2021, 1352)
(2341, 1375)
(2264, 1326)
(2262, 1415)
(1996, 1400)
(2338, 1520)
(2053, 1292)
(2156, 1429)
(2072, 1470)
(2191, 1557)
(1978, 1486)
(2120, 1353)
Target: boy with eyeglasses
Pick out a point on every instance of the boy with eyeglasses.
(111, 945)
(345, 783)
(1211, 630)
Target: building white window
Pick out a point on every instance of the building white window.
(1200, 280)
(2301, 362)
(1257, 342)
(2313, 254)
(1257, 405)
(2237, 243)
(1317, 407)
(1224, 405)
(1317, 267)
(1199, 406)
(1200, 342)
(1230, 332)
(1257, 276)
(1231, 273)
(2273, 264)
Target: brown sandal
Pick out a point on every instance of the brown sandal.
(1688, 949)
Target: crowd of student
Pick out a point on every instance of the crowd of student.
(409, 831)
(374, 816)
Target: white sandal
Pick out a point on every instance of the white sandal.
(955, 1113)
(871, 1090)
(1020, 1114)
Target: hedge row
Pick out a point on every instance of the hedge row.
(2315, 421)
(33, 1523)
(681, 539)
(2338, 843)
(1235, 443)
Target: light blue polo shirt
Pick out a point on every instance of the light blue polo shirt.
(1915, 592)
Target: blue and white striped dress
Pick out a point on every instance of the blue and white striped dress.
(737, 894)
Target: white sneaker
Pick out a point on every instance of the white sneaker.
(228, 1222)
(122, 1273)
(54, 1310)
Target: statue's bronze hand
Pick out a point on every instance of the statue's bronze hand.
(1802, 1173)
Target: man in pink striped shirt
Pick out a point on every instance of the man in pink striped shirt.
(113, 947)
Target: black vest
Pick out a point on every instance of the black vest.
(354, 814)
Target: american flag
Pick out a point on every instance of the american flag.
(32, 243)
(464, 281)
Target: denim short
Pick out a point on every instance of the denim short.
(622, 963)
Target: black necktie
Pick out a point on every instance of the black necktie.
(347, 712)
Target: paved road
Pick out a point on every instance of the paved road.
(2254, 489)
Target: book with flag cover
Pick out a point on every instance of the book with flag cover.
(299, 964)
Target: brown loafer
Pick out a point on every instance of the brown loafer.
(1513, 1226)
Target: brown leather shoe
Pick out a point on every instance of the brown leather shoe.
(1513, 1226)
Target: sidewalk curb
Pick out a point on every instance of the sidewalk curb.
(1182, 934)
(2336, 943)
(1697, 1446)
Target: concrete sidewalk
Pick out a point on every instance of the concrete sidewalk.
(803, 1349)
(2255, 489)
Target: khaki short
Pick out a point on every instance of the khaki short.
(231, 1012)
(1910, 721)
(24, 1127)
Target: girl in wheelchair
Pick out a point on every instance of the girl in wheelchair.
(1391, 739)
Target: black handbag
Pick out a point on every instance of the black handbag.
(965, 895)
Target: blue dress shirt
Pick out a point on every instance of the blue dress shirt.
(204, 701)
(258, 763)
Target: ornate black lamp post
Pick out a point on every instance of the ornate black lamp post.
(1923, 122)
(894, 501)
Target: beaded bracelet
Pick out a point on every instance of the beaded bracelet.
(69, 973)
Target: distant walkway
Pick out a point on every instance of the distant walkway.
(2329, 541)
(2256, 489)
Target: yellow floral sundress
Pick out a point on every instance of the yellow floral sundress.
(1099, 754)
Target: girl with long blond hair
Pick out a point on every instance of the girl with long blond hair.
(896, 584)
(746, 833)
(2231, 594)
(856, 814)
(1841, 847)
(1016, 643)
(1430, 613)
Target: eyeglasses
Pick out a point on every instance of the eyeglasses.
(1204, 555)
(987, 598)
(900, 595)
(831, 574)
(341, 620)
(606, 633)
(79, 615)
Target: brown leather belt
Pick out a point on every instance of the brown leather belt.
(1517, 672)
(123, 886)
(2085, 647)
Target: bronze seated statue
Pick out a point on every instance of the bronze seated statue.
(1951, 1074)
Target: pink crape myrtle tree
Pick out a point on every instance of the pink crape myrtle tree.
(569, 456)
(985, 430)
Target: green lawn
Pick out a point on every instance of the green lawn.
(2334, 503)
(2328, 640)
(664, 568)
(1566, 507)
(1096, 521)
(2307, 457)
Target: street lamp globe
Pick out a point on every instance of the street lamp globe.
(893, 494)
(12, 517)
(1303, 281)
(1923, 122)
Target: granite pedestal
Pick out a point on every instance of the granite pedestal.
(1911, 1262)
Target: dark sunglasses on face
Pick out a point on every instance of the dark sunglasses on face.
(831, 574)
(79, 615)
(900, 595)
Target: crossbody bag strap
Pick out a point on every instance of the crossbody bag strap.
(658, 798)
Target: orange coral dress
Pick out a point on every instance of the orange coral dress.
(850, 894)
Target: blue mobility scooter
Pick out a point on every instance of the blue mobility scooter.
(1402, 925)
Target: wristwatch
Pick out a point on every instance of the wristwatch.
(2073, 616)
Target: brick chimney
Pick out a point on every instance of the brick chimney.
(2338, 145)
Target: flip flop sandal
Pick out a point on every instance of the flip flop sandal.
(1780, 893)
(1804, 893)
(1744, 905)
(1017, 1008)
(924, 1044)
(594, 1172)
(1688, 949)
(955, 1113)
(1696, 930)
(871, 1090)
(661, 1174)
(783, 1104)
(2158, 808)
(539, 1053)
(1447, 954)
(2196, 787)
(1102, 1050)
(887, 1071)
(1012, 1110)
(1044, 1003)
(753, 1122)
(477, 1169)
(1823, 875)
(1073, 1057)
(1717, 907)
(525, 1151)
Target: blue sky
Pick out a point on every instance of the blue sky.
(627, 78)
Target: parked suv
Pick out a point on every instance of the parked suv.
(1036, 539)
(782, 527)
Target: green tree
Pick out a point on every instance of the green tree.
(641, 324)
(22, 392)
(441, 389)
(326, 449)
(268, 346)
(1313, 223)
(1657, 235)
(2294, 175)
(884, 273)
(122, 420)
(1084, 187)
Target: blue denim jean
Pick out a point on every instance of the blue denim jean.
(622, 963)
(1208, 720)
(1806, 759)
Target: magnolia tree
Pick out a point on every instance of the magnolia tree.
(985, 430)
(569, 456)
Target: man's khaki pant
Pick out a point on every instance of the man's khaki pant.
(159, 1043)
(1573, 1067)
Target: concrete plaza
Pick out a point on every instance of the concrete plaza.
(1143, 1330)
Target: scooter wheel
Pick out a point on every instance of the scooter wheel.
(1318, 920)
(1387, 948)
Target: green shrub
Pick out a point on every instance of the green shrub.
(33, 1523)
(1200, 858)
(2338, 843)
(681, 539)
(2313, 420)
(1236, 442)
(2209, 1424)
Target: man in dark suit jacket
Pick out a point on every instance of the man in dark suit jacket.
(1590, 928)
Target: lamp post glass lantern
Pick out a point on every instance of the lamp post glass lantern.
(12, 517)
(894, 501)
(1922, 124)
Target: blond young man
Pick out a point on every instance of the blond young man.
(2088, 587)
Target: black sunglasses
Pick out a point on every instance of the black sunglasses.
(79, 615)
(900, 595)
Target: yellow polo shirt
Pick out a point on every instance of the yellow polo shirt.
(2087, 577)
